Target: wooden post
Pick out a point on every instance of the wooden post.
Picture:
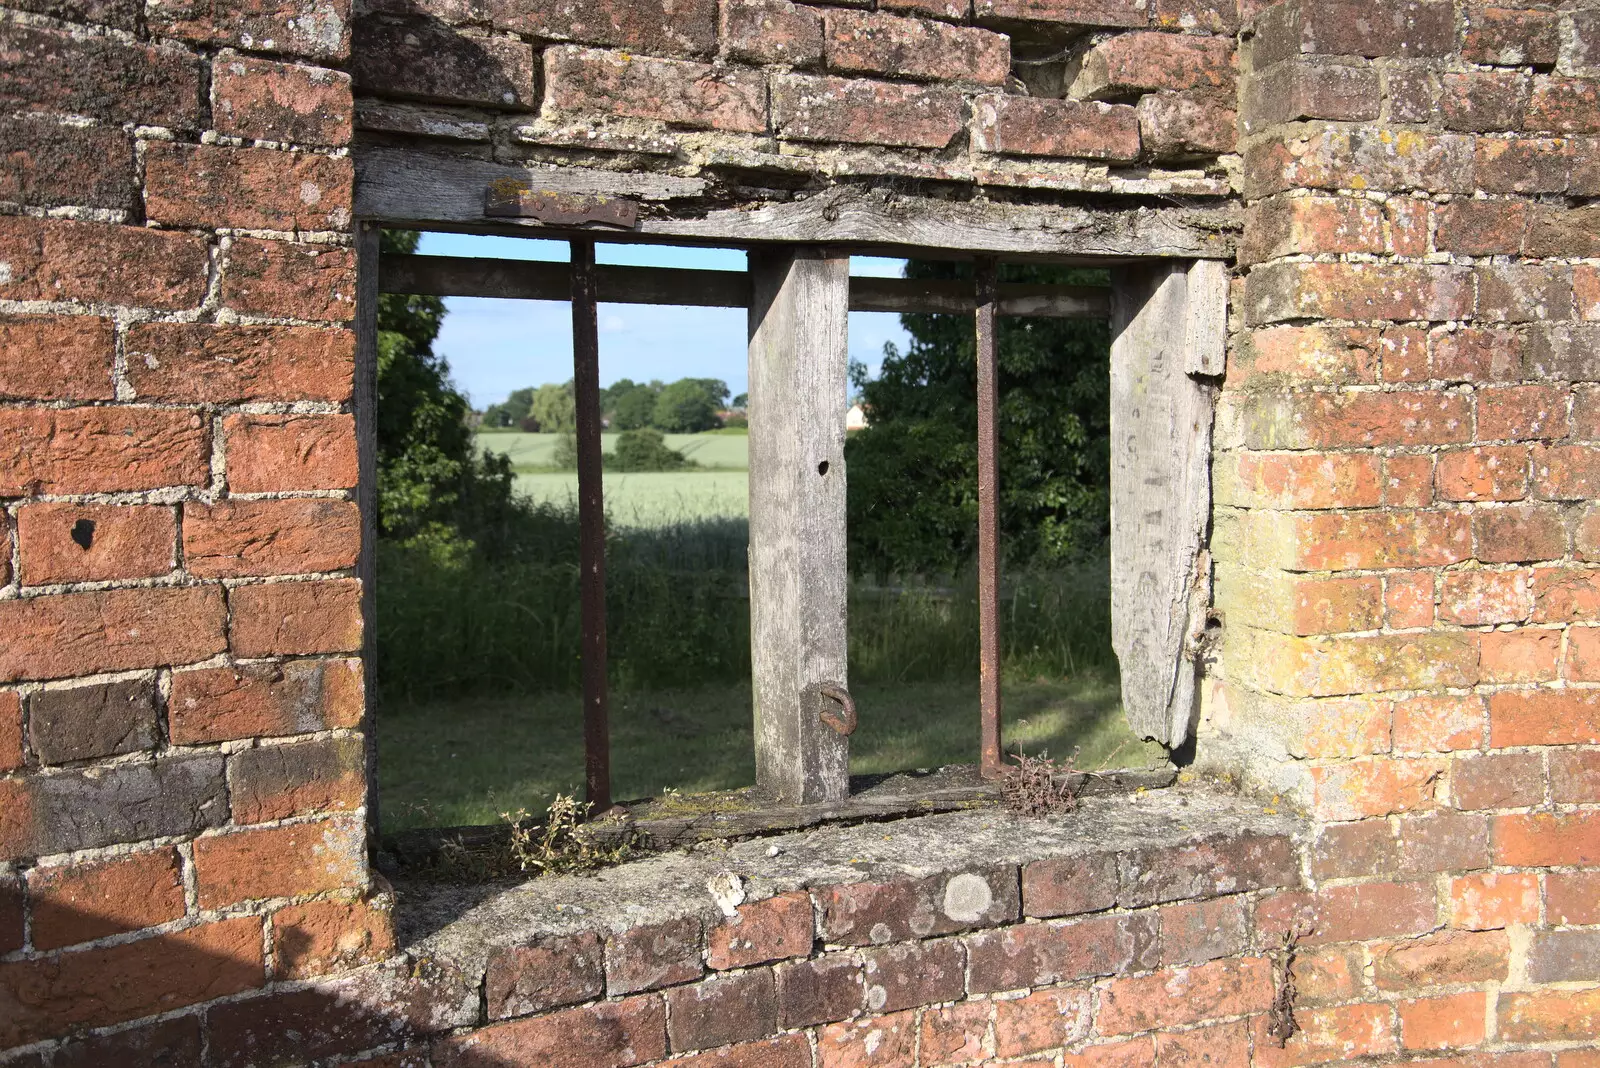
(799, 367)
(591, 529)
(365, 394)
(991, 762)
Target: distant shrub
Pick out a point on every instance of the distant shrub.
(646, 450)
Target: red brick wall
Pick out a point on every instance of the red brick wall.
(1408, 446)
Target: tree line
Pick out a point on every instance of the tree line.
(687, 406)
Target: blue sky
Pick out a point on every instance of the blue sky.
(495, 346)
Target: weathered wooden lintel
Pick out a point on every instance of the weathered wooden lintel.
(410, 189)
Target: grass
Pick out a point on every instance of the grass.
(716, 450)
(462, 760)
(650, 499)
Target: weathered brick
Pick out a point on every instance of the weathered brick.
(545, 974)
(771, 31)
(1544, 717)
(268, 101)
(1563, 105)
(1028, 126)
(1350, 420)
(1336, 667)
(913, 973)
(1472, 354)
(1403, 350)
(1134, 63)
(101, 450)
(654, 955)
(275, 782)
(1222, 864)
(1511, 37)
(869, 42)
(1575, 776)
(1408, 599)
(54, 70)
(1562, 352)
(55, 165)
(1359, 291)
(1362, 156)
(861, 914)
(62, 542)
(1483, 227)
(1068, 886)
(52, 996)
(83, 901)
(1481, 598)
(1549, 1015)
(1380, 786)
(1315, 224)
(1334, 541)
(773, 929)
(953, 1034)
(723, 1009)
(1359, 912)
(1438, 724)
(1310, 89)
(58, 259)
(1455, 1021)
(201, 362)
(264, 700)
(286, 1026)
(1040, 1021)
(320, 30)
(1188, 124)
(1178, 996)
(785, 1051)
(295, 618)
(1520, 293)
(111, 805)
(1519, 534)
(871, 1042)
(286, 861)
(1519, 656)
(696, 95)
(1290, 355)
(11, 755)
(282, 278)
(1482, 101)
(70, 634)
(286, 536)
(1572, 897)
(1443, 841)
(655, 27)
(1498, 780)
(1524, 165)
(1329, 1035)
(56, 357)
(1195, 932)
(1119, 13)
(1365, 847)
(1522, 413)
(1564, 956)
(1034, 954)
(249, 188)
(1542, 839)
(1412, 28)
(322, 937)
(1586, 538)
(859, 111)
(1492, 901)
(417, 58)
(274, 453)
(1298, 480)
(811, 992)
(168, 1044)
(97, 720)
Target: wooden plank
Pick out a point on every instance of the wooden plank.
(1160, 494)
(365, 396)
(425, 191)
(465, 276)
(799, 359)
(1205, 339)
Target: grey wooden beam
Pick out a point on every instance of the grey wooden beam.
(462, 276)
(365, 397)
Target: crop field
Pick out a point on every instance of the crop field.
(723, 451)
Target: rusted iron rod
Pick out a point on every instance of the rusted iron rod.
(987, 281)
(591, 527)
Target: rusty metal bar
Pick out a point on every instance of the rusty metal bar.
(987, 280)
(591, 527)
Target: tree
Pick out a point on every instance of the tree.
(913, 472)
(511, 412)
(431, 484)
(632, 405)
(690, 405)
(646, 450)
(554, 408)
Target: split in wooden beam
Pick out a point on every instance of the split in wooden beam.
(463, 276)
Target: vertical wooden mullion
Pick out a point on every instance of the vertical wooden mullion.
(591, 527)
(986, 272)
(365, 398)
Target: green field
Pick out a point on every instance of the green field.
(723, 451)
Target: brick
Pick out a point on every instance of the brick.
(1407, 233)
(548, 973)
(1586, 412)
(11, 756)
(1470, 354)
(295, 618)
(1480, 598)
(168, 1044)
(1524, 165)
(1188, 124)
(282, 278)
(1035, 954)
(1289, 355)
(1196, 932)
(1492, 901)
(264, 700)
(1439, 724)
(285, 1027)
(1549, 1016)
(655, 27)
(189, 363)
(1378, 786)
(286, 861)
(1215, 16)
(1342, 728)
(1564, 956)
(1133, 1053)
(101, 450)
(1483, 227)
(1452, 1022)
(1351, 913)
(873, 1042)
(1218, 1044)
(121, 14)
(1220, 864)
(1521, 293)
(860, 914)
(1498, 780)
(268, 101)
(1354, 420)
(913, 973)
(1310, 89)
(695, 95)
(859, 111)
(721, 1010)
(1069, 886)
(237, 538)
(1403, 351)
(1586, 291)
(1519, 656)
(1575, 776)
(56, 357)
(417, 58)
(275, 453)
(97, 720)
(1566, 472)
(1572, 897)
(1563, 105)
(1586, 539)
(58, 259)
(1482, 101)
(1358, 291)
(1336, 667)
(774, 929)
(1134, 63)
(771, 31)
(70, 634)
(1357, 28)
(824, 990)
(99, 987)
(1327, 1035)
(1544, 717)
(1327, 974)
(1180, 996)
(322, 937)
(1543, 839)
(107, 78)
(953, 1034)
(276, 782)
(654, 955)
(785, 1051)
(85, 901)
(1298, 480)
(1408, 599)
(249, 188)
(869, 42)
(1365, 157)
(1043, 1020)
(1510, 37)
(55, 165)
(1285, 226)
(1413, 93)
(1029, 126)
(1519, 534)
(1366, 847)
(1443, 841)
(1562, 352)
(62, 542)
(608, 1035)
(320, 32)
(1119, 13)
(1522, 413)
